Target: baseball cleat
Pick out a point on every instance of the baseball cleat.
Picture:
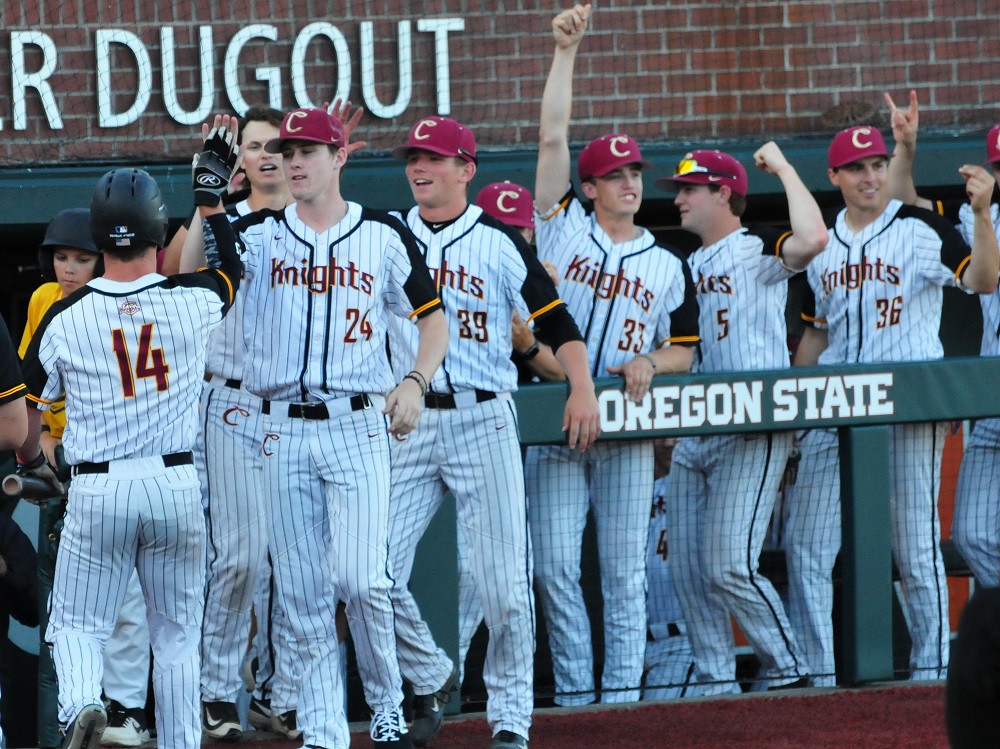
(428, 711)
(248, 672)
(126, 726)
(220, 721)
(388, 730)
(285, 724)
(509, 740)
(86, 729)
(259, 714)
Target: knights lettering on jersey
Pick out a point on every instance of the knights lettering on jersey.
(852, 275)
(714, 284)
(459, 279)
(320, 279)
(607, 285)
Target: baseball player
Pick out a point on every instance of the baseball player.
(69, 259)
(976, 522)
(635, 303)
(876, 294)
(328, 274)
(13, 418)
(128, 351)
(669, 662)
(723, 488)
(484, 272)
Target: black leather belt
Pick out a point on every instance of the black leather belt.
(234, 384)
(169, 461)
(447, 400)
(672, 631)
(318, 410)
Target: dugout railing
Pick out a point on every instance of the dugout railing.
(861, 401)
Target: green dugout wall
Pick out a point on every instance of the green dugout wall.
(860, 402)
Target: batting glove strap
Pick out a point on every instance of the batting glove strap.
(211, 179)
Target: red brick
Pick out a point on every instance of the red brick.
(713, 59)
(932, 72)
(908, 51)
(885, 76)
(740, 38)
(666, 61)
(777, 80)
(714, 104)
(807, 57)
(663, 16)
(782, 35)
(809, 14)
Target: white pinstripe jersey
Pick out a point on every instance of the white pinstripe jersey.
(627, 298)
(317, 305)
(742, 292)
(225, 345)
(484, 272)
(989, 302)
(663, 606)
(130, 358)
(879, 292)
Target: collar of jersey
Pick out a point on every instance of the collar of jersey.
(346, 224)
(459, 224)
(722, 244)
(123, 287)
(846, 236)
(644, 241)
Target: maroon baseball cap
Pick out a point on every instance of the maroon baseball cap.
(441, 135)
(607, 153)
(509, 203)
(707, 167)
(311, 124)
(856, 143)
(993, 145)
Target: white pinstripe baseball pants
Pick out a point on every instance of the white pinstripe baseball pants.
(476, 454)
(141, 516)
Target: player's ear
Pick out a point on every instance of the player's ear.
(589, 189)
(834, 177)
(468, 171)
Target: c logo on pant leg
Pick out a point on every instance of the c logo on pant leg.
(230, 414)
(268, 438)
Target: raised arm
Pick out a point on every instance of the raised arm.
(905, 123)
(552, 177)
(981, 273)
(809, 234)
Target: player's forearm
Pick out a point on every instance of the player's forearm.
(546, 366)
(572, 357)
(13, 424)
(172, 254)
(981, 274)
(225, 243)
(433, 345)
(193, 250)
(814, 342)
(809, 233)
(553, 169)
(31, 446)
(672, 359)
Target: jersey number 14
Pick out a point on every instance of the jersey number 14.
(150, 362)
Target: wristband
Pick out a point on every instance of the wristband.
(32, 465)
(419, 379)
(648, 358)
(531, 353)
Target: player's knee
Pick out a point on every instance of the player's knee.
(726, 574)
(172, 641)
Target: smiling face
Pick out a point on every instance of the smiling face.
(263, 169)
(73, 267)
(862, 183)
(618, 193)
(438, 183)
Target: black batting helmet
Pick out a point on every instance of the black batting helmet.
(69, 228)
(127, 212)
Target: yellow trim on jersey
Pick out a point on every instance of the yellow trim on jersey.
(13, 390)
(229, 284)
(781, 241)
(939, 207)
(560, 207)
(683, 339)
(429, 305)
(820, 320)
(961, 267)
(543, 310)
(36, 399)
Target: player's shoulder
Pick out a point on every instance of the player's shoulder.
(503, 232)
(257, 219)
(939, 224)
(391, 219)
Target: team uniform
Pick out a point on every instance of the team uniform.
(484, 271)
(976, 523)
(877, 293)
(669, 662)
(317, 308)
(227, 457)
(627, 299)
(129, 356)
(723, 488)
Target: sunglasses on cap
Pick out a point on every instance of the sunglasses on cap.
(691, 166)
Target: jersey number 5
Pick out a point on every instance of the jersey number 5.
(150, 364)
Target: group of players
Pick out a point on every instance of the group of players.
(276, 392)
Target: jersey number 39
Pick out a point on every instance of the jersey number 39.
(149, 364)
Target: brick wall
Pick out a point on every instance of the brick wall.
(661, 70)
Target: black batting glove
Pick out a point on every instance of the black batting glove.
(214, 167)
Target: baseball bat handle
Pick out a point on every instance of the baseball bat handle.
(30, 488)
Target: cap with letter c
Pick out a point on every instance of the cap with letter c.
(607, 153)
(440, 135)
(310, 124)
(509, 203)
(993, 145)
(856, 143)
(707, 167)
